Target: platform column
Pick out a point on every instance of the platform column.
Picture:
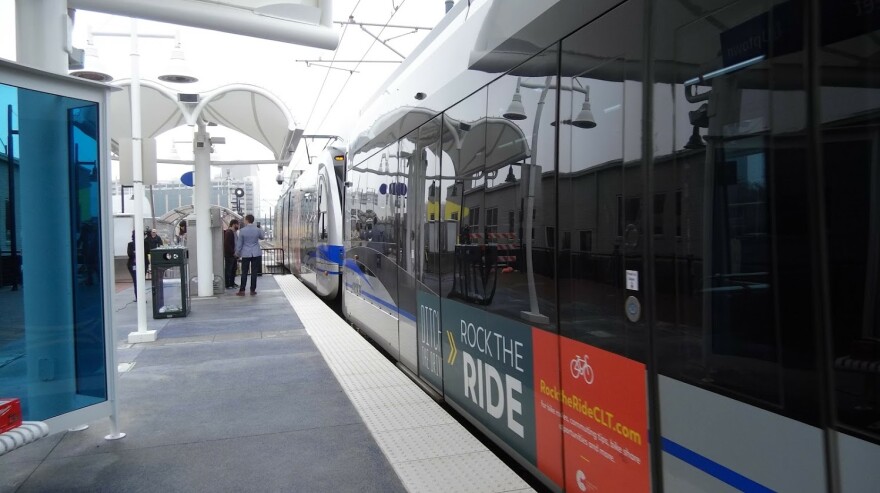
(202, 206)
(44, 47)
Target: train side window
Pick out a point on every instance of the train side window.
(521, 178)
(601, 183)
(729, 140)
(850, 150)
(463, 141)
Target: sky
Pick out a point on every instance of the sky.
(321, 100)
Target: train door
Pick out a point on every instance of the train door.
(370, 274)
(288, 234)
(431, 245)
(735, 249)
(849, 114)
(602, 246)
(406, 198)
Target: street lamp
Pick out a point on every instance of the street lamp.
(142, 334)
(516, 111)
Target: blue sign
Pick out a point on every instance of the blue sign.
(393, 188)
(187, 178)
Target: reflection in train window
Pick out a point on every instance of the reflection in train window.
(600, 182)
(730, 147)
(850, 149)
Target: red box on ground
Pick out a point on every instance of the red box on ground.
(10, 413)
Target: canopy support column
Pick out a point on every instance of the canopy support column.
(202, 205)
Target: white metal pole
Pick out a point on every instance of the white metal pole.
(142, 334)
(534, 313)
(202, 205)
(41, 34)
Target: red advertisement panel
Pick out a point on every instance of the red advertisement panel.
(603, 398)
(548, 409)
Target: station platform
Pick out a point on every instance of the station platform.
(273, 392)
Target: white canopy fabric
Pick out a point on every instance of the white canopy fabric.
(487, 144)
(302, 22)
(248, 109)
(178, 214)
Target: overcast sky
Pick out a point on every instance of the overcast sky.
(321, 100)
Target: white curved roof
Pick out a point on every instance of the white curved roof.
(489, 143)
(248, 109)
(303, 22)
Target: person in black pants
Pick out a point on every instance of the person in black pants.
(131, 265)
(229, 254)
(247, 248)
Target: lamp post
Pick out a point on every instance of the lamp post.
(142, 334)
(534, 313)
(516, 111)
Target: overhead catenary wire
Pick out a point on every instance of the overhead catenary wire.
(344, 84)
(327, 74)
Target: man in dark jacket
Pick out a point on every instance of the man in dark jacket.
(229, 253)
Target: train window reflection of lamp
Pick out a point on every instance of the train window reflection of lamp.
(698, 118)
(516, 110)
(584, 118)
(511, 178)
(695, 141)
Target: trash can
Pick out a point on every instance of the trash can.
(169, 268)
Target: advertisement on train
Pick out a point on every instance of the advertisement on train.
(605, 419)
(578, 413)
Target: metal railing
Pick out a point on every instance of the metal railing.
(273, 261)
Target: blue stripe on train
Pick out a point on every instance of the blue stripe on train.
(393, 308)
(713, 468)
(331, 253)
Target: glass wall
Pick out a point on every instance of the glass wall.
(520, 172)
(733, 251)
(849, 101)
(602, 237)
(52, 359)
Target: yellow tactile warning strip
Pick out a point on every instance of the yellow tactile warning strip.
(428, 448)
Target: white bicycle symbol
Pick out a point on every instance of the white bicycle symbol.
(580, 367)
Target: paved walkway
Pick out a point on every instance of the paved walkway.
(242, 395)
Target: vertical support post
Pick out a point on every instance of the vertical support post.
(142, 334)
(10, 212)
(41, 38)
(530, 176)
(202, 205)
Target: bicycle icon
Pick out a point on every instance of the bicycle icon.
(580, 367)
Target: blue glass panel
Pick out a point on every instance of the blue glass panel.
(52, 348)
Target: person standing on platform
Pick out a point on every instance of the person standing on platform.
(181, 233)
(229, 238)
(131, 265)
(247, 247)
(153, 240)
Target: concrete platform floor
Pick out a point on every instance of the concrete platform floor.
(243, 396)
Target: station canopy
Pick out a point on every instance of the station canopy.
(248, 109)
(474, 147)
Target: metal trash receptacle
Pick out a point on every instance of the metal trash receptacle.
(170, 267)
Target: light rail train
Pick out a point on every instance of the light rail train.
(636, 243)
